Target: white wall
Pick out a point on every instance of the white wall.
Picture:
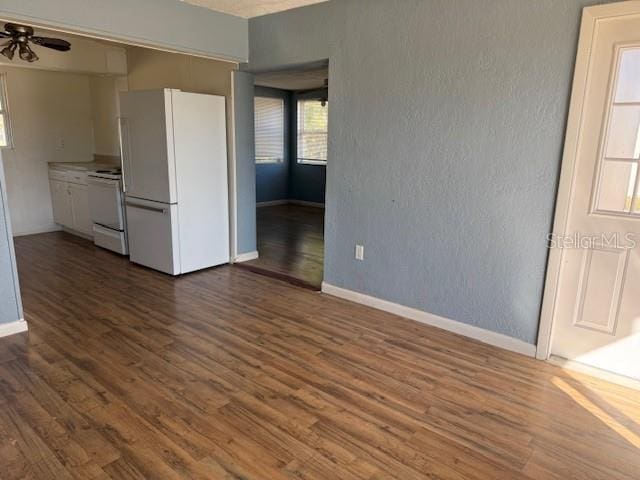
(105, 108)
(51, 121)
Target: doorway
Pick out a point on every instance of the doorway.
(291, 136)
(591, 312)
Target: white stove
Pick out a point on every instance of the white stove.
(106, 204)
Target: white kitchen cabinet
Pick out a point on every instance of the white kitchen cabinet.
(61, 201)
(70, 200)
(80, 209)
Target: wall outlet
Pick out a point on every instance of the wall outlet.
(61, 142)
(359, 252)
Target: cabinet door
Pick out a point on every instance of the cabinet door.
(80, 209)
(61, 202)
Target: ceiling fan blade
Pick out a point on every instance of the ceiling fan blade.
(54, 43)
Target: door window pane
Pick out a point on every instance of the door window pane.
(628, 76)
(617, 186)
(622, 138)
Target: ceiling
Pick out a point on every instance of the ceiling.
(294, 79)
(251, 8)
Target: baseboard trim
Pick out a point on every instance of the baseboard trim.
(302, 203)
(272, 203)
(245, 257)
(485, 336)
(12, 328)
(36, 230)
(594, 372)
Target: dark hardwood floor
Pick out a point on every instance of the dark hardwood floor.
(290, 244)
(225, 374)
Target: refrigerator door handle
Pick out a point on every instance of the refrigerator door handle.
(147, 207)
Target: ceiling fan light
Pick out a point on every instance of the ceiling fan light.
(23, 51)
(9, 51)
(26, 53)
(32, 56)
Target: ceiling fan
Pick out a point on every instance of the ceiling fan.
(19, 38)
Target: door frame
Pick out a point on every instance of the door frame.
(581, 80)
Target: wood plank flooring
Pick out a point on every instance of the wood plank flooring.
(290, 244)
(224, 374)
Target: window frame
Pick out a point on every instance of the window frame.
(272, 160)
(309, 161)
(5, 112)
(603, 142)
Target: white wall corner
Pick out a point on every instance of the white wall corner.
(12, 328)
(486, 336)
(245, 257)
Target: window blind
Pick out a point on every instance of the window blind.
(269, 129)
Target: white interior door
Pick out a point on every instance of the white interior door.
(596, 317)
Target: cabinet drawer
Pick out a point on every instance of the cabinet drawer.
(60, 175)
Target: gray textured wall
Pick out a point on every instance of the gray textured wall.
(245, 162)
(167, 23)
(446, 128)
(10, 304)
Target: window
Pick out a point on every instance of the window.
(313, 123)
(619, 183)
(5, 132)
(269, 129)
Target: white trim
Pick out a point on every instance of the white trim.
(595, 372)
(480, 334)
(12, 328)
(272, 203)
(303, 203)
(245, 257)
(53, 227)
(233, 174)
(590, 16)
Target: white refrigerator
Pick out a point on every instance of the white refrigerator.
(174, 165)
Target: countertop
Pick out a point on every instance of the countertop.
(81, 166)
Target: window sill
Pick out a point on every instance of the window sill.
(312, 162)
(269, 161)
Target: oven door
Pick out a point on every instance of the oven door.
(105, 202)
